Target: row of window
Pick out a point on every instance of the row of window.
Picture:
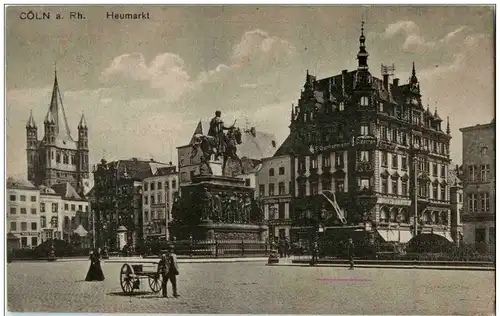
(423, 190)
(478, 202)
(394, 160)
(158, 200)
(158, 185)
(55, 207)
(24, 226)
(155, 215)
(22, 198)
(281, 189)
(314, 187)
(478, 173)
(281, 171)
(325, 160)
(23, 211)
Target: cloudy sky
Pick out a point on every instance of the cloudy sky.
(143, 85)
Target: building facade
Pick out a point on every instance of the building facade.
(23, 212)
(57, 157)
(117, 200)
(159, 193)
(374, 145)
(275, 194)
(254, 146)
(37, 214)
(479, 183)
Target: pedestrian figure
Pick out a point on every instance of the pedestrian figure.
(169, 270)
(315, 253)
(287, 247)
(350, 253)
(95, 271)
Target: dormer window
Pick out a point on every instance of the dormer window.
(363, 101)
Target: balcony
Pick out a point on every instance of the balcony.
(364, 166)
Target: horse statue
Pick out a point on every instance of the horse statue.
(232, 139)
(208, 147)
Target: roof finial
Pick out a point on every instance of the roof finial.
(448, 131)
(362, 27)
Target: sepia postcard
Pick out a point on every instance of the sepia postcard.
(250, 159)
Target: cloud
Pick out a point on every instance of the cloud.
(166, 72)
(146, 108)
(414, 41)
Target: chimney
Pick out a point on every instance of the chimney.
(395, 82)
(169, 163)
(386, 81)
(152, 160)
(253, 131)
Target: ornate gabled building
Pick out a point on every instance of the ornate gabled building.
(369, 141)
(57, 157)
(117, 199)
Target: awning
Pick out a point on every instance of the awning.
(445, 235)
(394, 235)
(80, 231)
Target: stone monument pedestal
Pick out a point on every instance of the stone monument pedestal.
(216, 207)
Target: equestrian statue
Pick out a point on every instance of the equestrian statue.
(218, 143)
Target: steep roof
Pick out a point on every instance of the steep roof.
(137, 169)
(57, 115)
(13, 183)
(254, 144)
(66, 191)
(80, 231)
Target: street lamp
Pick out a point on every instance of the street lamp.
(415, 195)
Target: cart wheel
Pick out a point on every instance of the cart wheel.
(127, 278)
(155, 283)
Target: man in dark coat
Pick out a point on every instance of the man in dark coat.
(169, 270)
(350, 253)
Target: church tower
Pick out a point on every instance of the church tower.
(57, 158)
(32, 148)
(83, 154)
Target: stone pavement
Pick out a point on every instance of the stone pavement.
(253, 287)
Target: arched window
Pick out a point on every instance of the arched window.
(403, 215)
(384, 215)
(363, 101)
(394, 215)
(435, 217)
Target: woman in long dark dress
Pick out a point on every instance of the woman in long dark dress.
(95, 271)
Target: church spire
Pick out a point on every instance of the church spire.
(56, 109)
(31, 121)
(414, 85)
(362, 54)
(83, 122)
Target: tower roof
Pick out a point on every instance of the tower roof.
(49, 118)
(56, 109)
(83, 123)
(31, 121)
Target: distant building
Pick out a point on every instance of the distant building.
(36, 214)
(117, 199)
(255, 146)
(23, 212)
(57, 158)
(479, 183)
(275, 191)
(159, 192)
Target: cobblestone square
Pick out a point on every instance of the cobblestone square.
(254, 287)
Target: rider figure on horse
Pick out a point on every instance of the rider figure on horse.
(216, 130)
